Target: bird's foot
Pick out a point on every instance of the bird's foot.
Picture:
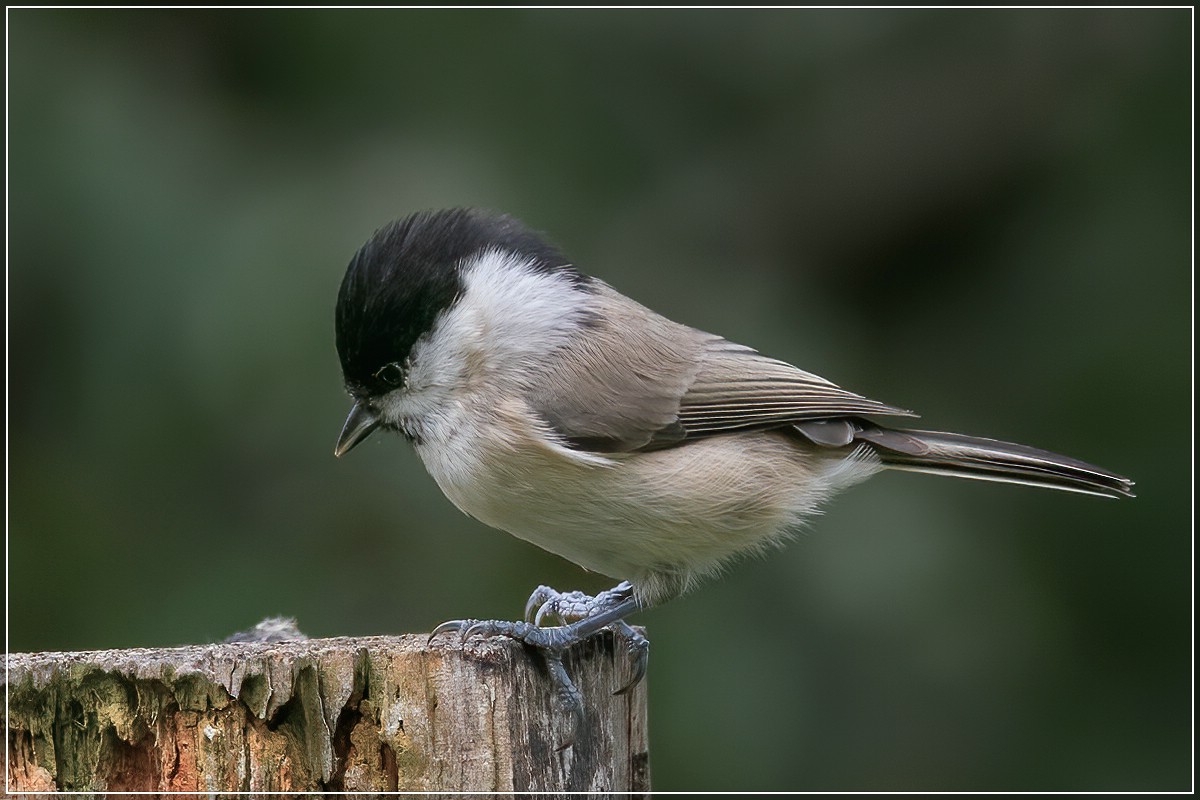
(583, 616)
(571, 607)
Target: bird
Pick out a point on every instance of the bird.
(545, 403)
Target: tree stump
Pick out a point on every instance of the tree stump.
(354, 714)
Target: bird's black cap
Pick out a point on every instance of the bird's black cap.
(408, 273)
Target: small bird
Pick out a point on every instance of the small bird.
(546, 404)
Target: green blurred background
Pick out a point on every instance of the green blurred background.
(980, 215)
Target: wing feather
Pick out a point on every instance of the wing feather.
(639, 381)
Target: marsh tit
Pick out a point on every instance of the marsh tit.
(547, 404)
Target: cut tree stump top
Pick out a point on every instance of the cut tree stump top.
(355, 714)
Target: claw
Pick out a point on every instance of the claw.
(541, 595)
(639, 647)
(446, 627)
(543, 612)
(639, 672)
(632, 683)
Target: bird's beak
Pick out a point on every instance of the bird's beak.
(359, 424)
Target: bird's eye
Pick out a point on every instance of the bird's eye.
(390, 375)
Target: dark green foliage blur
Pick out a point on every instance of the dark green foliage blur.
(980, 215)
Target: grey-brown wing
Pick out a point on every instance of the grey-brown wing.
(618, 385)
(639, 381)
(737, 387)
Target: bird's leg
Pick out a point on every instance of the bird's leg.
(584, 616)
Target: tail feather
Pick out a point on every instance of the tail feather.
(990, 459)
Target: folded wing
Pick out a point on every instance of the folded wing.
(635, 380)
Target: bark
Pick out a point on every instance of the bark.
(356, 714)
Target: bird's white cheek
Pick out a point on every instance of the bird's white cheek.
(395, 407)
(419, 414)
